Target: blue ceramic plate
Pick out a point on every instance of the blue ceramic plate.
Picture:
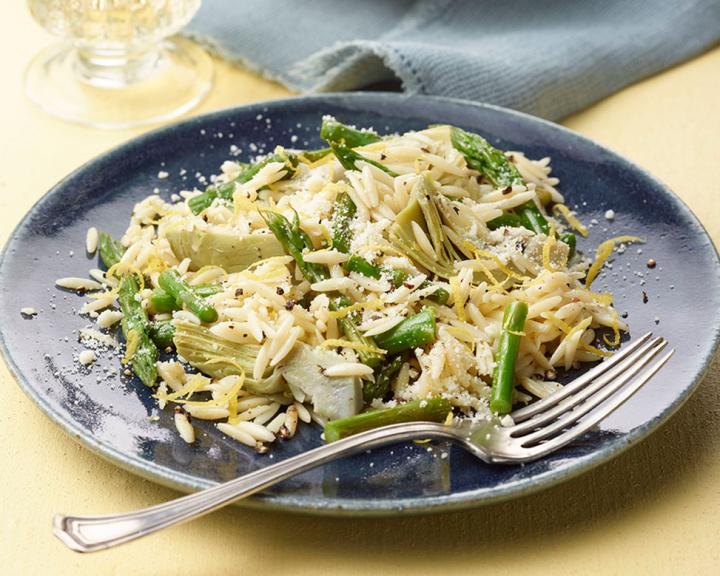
(111, 415)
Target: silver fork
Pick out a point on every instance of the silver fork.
(539, 429)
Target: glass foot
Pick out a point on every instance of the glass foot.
(174, 80)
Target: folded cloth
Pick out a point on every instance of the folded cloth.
(546, 57)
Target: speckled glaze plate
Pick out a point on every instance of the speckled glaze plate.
(111, 415)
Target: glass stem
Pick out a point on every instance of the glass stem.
(113, 67)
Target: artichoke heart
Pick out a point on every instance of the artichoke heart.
(422, 210)
(332, 398)
(218, 358)
(224, 247)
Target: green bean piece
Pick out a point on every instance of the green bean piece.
(348, 157)
(173, 284)
(380, 387)
(161, 301)
(343, 215)
(162, 333)
(430, 410)
(412, 332)
(226, 190)
(508, 346)
(135, 321)
(111, 251)
(335, 132)
(506, 219)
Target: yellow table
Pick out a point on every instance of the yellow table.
(655, 509)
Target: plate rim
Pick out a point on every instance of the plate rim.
(363, 506)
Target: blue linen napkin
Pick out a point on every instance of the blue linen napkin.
(549, 58)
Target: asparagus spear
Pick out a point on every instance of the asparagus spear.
(412, 332)
(348, 157)
(495, 166)
(294, 240)
(481, 156)
(162, 301)
(173, 284)
(432, 410)
(343, 139)
(110, 250)
(343, 215)
(199, 203)
(335, 132)
(135, 327)
(162, 333)
(504, 375)
(381, 385)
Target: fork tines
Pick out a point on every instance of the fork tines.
(559, 418)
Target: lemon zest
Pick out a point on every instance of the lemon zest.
(603, 252)
(154, 264)
(571, 219)
(496, 284)
(338, 343)
(550, 241)
(329, 157)
(374, 304)
(495, 258)
(615, 326)
(458, 300)
(604, 298)
(276, 270)
(131, 345)
(567, 329)
(232, 398)
(193, 384)
(125, 268)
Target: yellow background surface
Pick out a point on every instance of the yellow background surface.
(654, 510)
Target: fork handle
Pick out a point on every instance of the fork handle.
(92, 533)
